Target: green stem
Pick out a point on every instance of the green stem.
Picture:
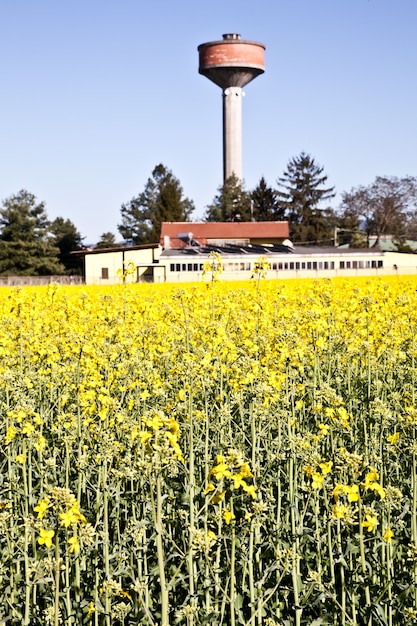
(232, 573)
(57, 575)
(160, 553)
(106, 540)
(363, 563)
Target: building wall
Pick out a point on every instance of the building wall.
(101, 267)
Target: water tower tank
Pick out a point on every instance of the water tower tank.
(231, 64)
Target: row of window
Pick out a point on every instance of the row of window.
(237, 266)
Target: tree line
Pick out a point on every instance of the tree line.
(31, 244)
(388, 206)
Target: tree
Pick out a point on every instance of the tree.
(107, 240)
(232, 203)
(26, 241)
(265, 205)
(301, 191)
(161, 201)
(67, 238)
(386, 207)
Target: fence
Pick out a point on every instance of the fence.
(18, 281)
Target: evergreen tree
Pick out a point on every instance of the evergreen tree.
(107, 240)
(265, 205)
(232, 203)
(67, 238)
(161, 201)
(26, 240)
(301, 191)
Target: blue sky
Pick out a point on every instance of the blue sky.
(95, 93)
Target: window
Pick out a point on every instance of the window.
(178, 267)
(104, 273)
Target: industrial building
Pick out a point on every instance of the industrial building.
(186, 247)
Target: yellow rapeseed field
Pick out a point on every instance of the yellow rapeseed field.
(209, 454)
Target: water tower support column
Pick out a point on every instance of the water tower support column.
(232, 132)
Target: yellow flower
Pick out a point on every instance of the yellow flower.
(308, 470)
(370, 522)
(20, 458)
(211, 537)
(228, 516)
(74, 546)
(324, 429)
(326, 468)
(41, 508)
(245, 470)
(318, 480)
(45, 537)
(388, 535)
(250, 490)
(40, 444)
(371, 476)
(339, 510)
(218, 497)
(374, 486)
(352, 493)
(28, 429)
(10, 435)
(379, 490)
(210, 487)
(71, 516)
(392, 439)
(220, 470)
(144, 436)
(67, 518)
(238, 481)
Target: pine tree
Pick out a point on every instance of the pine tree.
(232, 203)
(301, 191)
(161, 201)
(265, 205)
(26, 241)
(67, 239)
(107, 240)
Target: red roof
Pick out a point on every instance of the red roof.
(227, 231)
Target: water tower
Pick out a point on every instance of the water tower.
(231, 63)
